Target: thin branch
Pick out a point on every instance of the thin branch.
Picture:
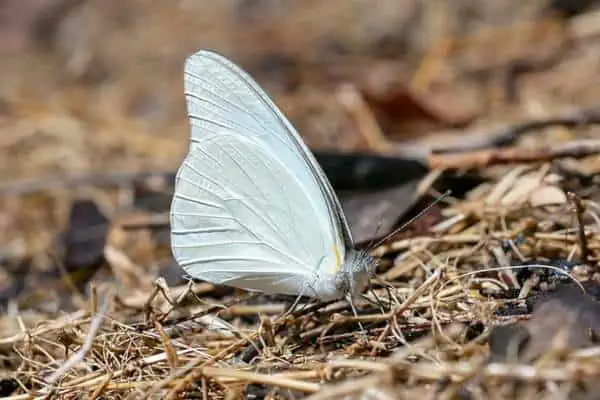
(484, 158)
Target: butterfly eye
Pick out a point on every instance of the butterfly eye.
(372, 265)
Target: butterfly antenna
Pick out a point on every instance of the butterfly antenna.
(371, 242)
(410, 221)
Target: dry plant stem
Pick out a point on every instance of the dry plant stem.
(101, 388)
(211, 308)
(77, 357)
(579, 209)
(379, 342)
(415, 295)
(171, 352)
(160, 286)
(75, 319)
(173, 304)
(287, 379)
(194, 370)
(232, 375)
(95, 379)
(524, 373)
(484, 158)
(394, 313)
(508, 136)
(244, 310)
(189, 368)
(424, 241)
(346, 388)
(225, 375)
(204, 389)
(383, 372)
(247, 376)
(139, 300)
(148, 304)
(424, 371)
(359, 364)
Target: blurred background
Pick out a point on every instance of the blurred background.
(91, 94)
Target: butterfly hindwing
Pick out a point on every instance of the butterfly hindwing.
(239, 214)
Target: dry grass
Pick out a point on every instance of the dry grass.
(428, 336)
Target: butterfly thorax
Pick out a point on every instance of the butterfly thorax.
(352, 278)
(354, 275)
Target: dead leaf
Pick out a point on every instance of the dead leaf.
(547, 195)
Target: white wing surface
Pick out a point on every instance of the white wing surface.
(252, 208)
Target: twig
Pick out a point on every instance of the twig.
(346, 388)
(78, 356)
(484, 158)
(511, 134)
(579, 209)
(101, 388)
(247, 376)
(353, 386)
(415, 295)
(189, 371)
(77, 318)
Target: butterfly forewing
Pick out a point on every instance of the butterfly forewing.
(222, 96)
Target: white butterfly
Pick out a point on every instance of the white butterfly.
(252, 207)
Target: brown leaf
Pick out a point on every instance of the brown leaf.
(392, 97)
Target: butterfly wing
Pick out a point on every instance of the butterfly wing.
(252, 208)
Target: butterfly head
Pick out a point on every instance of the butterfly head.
(354, 274)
